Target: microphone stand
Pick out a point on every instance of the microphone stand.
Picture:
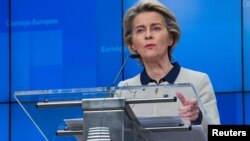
(133, 56)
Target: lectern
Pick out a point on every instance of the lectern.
(128, 113)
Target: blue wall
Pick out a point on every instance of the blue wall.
(75, 44)
(246, 43)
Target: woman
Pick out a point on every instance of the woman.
(151, 31)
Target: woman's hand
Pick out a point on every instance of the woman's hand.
(189, 109)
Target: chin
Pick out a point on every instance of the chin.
(149, 57)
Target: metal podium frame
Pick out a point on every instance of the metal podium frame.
(103, 118)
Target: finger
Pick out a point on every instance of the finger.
(186, 109)
(192, 101)
(192, 115)
(195, 115)
(181, 97)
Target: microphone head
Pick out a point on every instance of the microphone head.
(135, 56)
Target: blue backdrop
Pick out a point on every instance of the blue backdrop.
(52, 44)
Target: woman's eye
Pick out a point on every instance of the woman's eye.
(139, 30)
(156, 28)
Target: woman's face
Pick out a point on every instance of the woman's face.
(150, 37)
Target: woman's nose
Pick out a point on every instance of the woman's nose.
(148, 35)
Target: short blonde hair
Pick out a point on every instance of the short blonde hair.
(148, 6)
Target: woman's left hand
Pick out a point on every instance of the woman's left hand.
(189, 109)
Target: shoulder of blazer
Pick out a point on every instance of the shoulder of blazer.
(188, 74)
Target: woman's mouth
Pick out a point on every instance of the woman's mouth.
(150, 46)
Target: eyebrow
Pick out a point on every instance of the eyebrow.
(156, 24)
(141, 26)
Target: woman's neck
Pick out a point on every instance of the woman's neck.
(157, 70)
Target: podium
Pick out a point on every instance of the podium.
(129, 113)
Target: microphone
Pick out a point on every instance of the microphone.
(132, 56)
(135, 56)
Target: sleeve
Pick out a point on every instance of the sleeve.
(209, 103)
(208, 99)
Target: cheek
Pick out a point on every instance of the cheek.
(136, 43)
(165, 41)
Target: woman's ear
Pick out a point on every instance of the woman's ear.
(133, 48)
(171, 40)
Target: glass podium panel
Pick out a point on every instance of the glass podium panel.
(49, 119)
(109, 113)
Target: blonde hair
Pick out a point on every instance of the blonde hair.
(148, 6)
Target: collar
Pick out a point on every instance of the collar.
(170, 77)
